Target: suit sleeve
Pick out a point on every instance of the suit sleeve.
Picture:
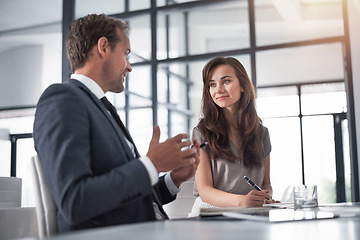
(163, 191)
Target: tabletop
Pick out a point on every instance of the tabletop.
(345, 225)
(340, 228)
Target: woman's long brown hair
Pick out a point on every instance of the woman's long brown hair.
(214, 127)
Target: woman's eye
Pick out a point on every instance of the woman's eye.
(212, 85)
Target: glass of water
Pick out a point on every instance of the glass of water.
(305, 196)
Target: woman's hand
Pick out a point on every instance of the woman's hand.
(271, 201)
(256, 198)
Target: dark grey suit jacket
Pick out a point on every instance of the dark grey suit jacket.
(91, 171)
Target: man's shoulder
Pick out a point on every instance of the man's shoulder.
(59, 90)
(65, 86)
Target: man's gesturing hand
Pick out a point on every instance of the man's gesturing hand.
(169, 155)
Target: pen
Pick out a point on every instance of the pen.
(201, 145)
(251, 183)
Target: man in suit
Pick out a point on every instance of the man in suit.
(95, 174)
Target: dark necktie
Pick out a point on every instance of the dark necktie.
(112, 110)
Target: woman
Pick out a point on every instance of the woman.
(238, 143)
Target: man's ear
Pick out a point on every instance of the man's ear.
(102, 46)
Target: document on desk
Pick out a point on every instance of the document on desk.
(345, 209)
(246, 216)
(219, 211)
(280, 205)
(265, 214)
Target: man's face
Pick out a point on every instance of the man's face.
(117, 66)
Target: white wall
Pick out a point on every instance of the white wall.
(20, 78)
(30, 60)
(354, 22)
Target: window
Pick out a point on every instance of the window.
(301, 121)
(293, 52)
(292, 21)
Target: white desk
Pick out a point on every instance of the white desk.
(334, 229)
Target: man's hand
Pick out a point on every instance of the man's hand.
(168, 155)
(182, 174)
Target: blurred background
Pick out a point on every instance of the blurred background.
(303, 57)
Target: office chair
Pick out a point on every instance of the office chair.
(46, 209)
(181, 207)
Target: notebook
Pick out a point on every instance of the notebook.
(266, 214)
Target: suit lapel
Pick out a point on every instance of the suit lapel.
(118, 129)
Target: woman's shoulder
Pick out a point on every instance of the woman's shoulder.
(266, 131)
(266, 141)
(196, 133)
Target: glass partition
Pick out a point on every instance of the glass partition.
(177, 123)
(170, 2)
(141, 128)
(277, 102)
(171, 35)
(323, 98)
(138, 81)
(291, 21)
(139, 4)
(208, 29)
(140, 39)
(85, 7)
(319, 156)
(285, 155)
(300, 64)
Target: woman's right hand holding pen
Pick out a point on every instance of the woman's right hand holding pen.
(259, 194)
(257, 198)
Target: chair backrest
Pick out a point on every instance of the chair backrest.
(10, 192)
(181, 207)
(46, 209)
